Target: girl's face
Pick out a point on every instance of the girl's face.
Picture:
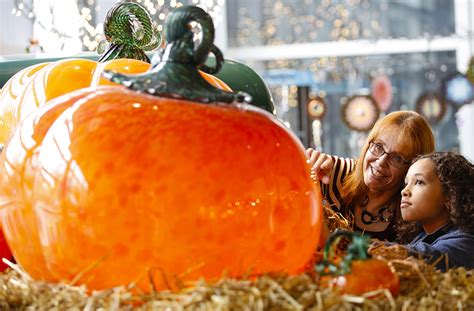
(380, 173)
(422, 197)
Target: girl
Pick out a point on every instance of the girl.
(438, 199)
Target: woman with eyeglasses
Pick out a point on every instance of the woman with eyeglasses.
(367, 191)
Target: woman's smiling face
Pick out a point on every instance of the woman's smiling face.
(379, 174)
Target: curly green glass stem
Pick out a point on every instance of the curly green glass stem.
(174, 71)
(180, 38)
(356, 250)
(129, 29)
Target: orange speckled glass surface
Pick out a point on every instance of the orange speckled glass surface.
(125, 186)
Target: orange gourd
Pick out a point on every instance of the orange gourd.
(32, 87)
(178, 189)
(365, 276)
(356, 273)
(107, 186)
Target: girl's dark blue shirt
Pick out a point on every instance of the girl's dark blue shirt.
(454, 246)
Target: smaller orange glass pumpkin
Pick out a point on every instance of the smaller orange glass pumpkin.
(365, 276)
(32, 87)
(356, 273)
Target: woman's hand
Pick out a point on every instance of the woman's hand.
(321, 165)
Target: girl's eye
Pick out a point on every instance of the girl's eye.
(419, 182)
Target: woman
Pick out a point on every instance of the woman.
(367, 191)
(438, 206)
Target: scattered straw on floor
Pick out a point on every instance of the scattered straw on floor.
(422, 288)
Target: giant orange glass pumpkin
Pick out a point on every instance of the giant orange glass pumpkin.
(175, 188)
(108, 186)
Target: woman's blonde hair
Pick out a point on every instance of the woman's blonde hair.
(414, 135)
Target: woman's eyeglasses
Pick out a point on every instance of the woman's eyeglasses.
(392, 158)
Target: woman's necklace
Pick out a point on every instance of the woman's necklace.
(385, 214)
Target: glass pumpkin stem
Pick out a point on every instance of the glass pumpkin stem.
(174, 71)
(129, 30)
(356, 250)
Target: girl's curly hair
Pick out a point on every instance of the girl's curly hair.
(456, 175)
